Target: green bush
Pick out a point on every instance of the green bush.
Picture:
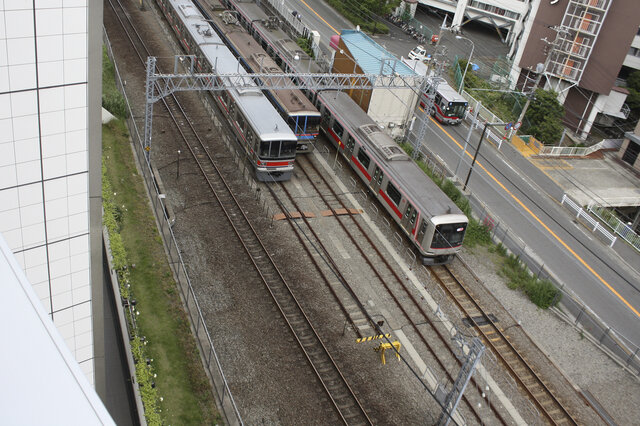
(305, 44)
(541, 292)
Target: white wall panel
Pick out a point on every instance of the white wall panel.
(75, 71)
(50, 48)
(55, 188)
(22, 77)
(5, 106)
(75, 96)
(6, 131)
(25, 127)
(52, 99)
(20, 51)
(17, 20)
(51, 73)
(30, 194)
(28, 172)
(54, 167)
(74, 20)
(27, 150)
(9, 199)
(37, 274)
(8, 176)
(57, 228)
(33, 235)
(36, 257)
(53, 145)
(44, 4)
(48, 22)
(52, 123)
(57, 208)
(43, 140)
(75, 46)
(4, 79)
(31, 215)
(23, 103)
(76, 141)
(7, 156)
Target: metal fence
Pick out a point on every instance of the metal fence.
(582, 214)
(618, 226)
(210, 359)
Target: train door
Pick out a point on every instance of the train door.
(421, 232)
(409, 218)
(378, 175)
(348, 147)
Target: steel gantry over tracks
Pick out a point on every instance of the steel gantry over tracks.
(159, 85)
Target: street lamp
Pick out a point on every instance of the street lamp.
(468, 61)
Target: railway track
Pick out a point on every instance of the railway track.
(341, 396)
(404, 299)
(494, 337)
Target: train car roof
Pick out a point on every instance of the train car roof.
(293, 100)
(448, 92)
(404, 172)
(277, 37)
(256, 108)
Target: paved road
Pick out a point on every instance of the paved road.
(520, 194)
(523, 198)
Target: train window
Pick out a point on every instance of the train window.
(393, 193)
(240, 121)
(364, 159)
(414, 214)
(338, 129)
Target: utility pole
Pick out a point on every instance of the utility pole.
(428, 108)
(541, 69)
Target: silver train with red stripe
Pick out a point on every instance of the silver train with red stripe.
(265, 137)
(433, 223)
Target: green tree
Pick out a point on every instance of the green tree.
(379, 7)
(544, 116)
(633, 85)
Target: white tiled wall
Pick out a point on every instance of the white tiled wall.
(44, 213)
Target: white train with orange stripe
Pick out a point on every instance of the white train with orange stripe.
(433, 223)
(263, 134)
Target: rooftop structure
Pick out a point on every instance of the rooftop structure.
(355, 52)
(41, 383)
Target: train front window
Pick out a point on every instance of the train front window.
(448, 235)
(313, 124)
(456, 109)
(272, 150)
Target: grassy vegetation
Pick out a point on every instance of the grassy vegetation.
(541, 292)
(163, 334)
(112, 100)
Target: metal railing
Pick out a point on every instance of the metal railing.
(583, 214)
(208, 353)
(577, 151)
(619, 227)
